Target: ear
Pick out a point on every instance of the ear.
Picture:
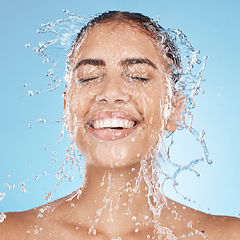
(176, 116)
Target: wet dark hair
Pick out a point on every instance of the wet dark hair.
(149, 25)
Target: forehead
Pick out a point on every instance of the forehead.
(113, 41)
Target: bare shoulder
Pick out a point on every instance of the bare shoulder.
(16, 224)
(23, 225)
(191, 221)
(222, 227)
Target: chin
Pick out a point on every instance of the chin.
(113, 155)
(117, 154)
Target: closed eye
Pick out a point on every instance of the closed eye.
(84, 80)
(140, 78)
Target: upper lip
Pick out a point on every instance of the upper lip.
(112, 114)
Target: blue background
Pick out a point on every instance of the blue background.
(211, 26)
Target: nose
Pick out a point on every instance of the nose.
(112, 92)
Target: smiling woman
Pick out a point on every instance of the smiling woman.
(120, 101)
(121, 83)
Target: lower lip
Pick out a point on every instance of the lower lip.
(112, 134)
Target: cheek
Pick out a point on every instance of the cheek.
(152, 105)
(78, 107)
(79, 102)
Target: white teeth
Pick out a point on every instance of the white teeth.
(97, 124)
(106, 123)
(113, 123)
(120, 124)
(126, 124)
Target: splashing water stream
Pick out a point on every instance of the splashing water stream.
(162, 167)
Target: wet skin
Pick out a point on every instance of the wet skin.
(117, 73)
(120, 77)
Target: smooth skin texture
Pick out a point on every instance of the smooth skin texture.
(113, 83)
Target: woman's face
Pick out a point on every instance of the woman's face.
(117, 95)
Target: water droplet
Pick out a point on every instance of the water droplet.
(29, 126)
(238, 214)
(40, 215)
(21, 184)
(189, 225)
(2, 196)
(25, 85)
(133, 169)
(72, 205)
(190, 234)
(36, 177)
(41, 210)
(133, 139)
(46, 60)
(41, 120)
(48, 197)
(2, 217)
(136, 230)
(133, 218)
(94, 231)
(30, 93)
(70, 178)
(23, 189)
(27, 45)
(138, 155)
(35, 231)
(9, 187)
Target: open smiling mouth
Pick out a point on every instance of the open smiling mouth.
(113, 128)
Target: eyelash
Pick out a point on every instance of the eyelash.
(134, 78)
(140, 79)
(86, 79)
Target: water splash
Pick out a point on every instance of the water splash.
(2, 196)
(2, 217)
(9, 187)
(190, 82)
(30, 93)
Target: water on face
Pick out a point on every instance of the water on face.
(159, 163)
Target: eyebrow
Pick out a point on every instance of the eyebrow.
(94, 62)
(132, 61)
(126, 62)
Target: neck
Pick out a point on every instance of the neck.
(111, 196)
